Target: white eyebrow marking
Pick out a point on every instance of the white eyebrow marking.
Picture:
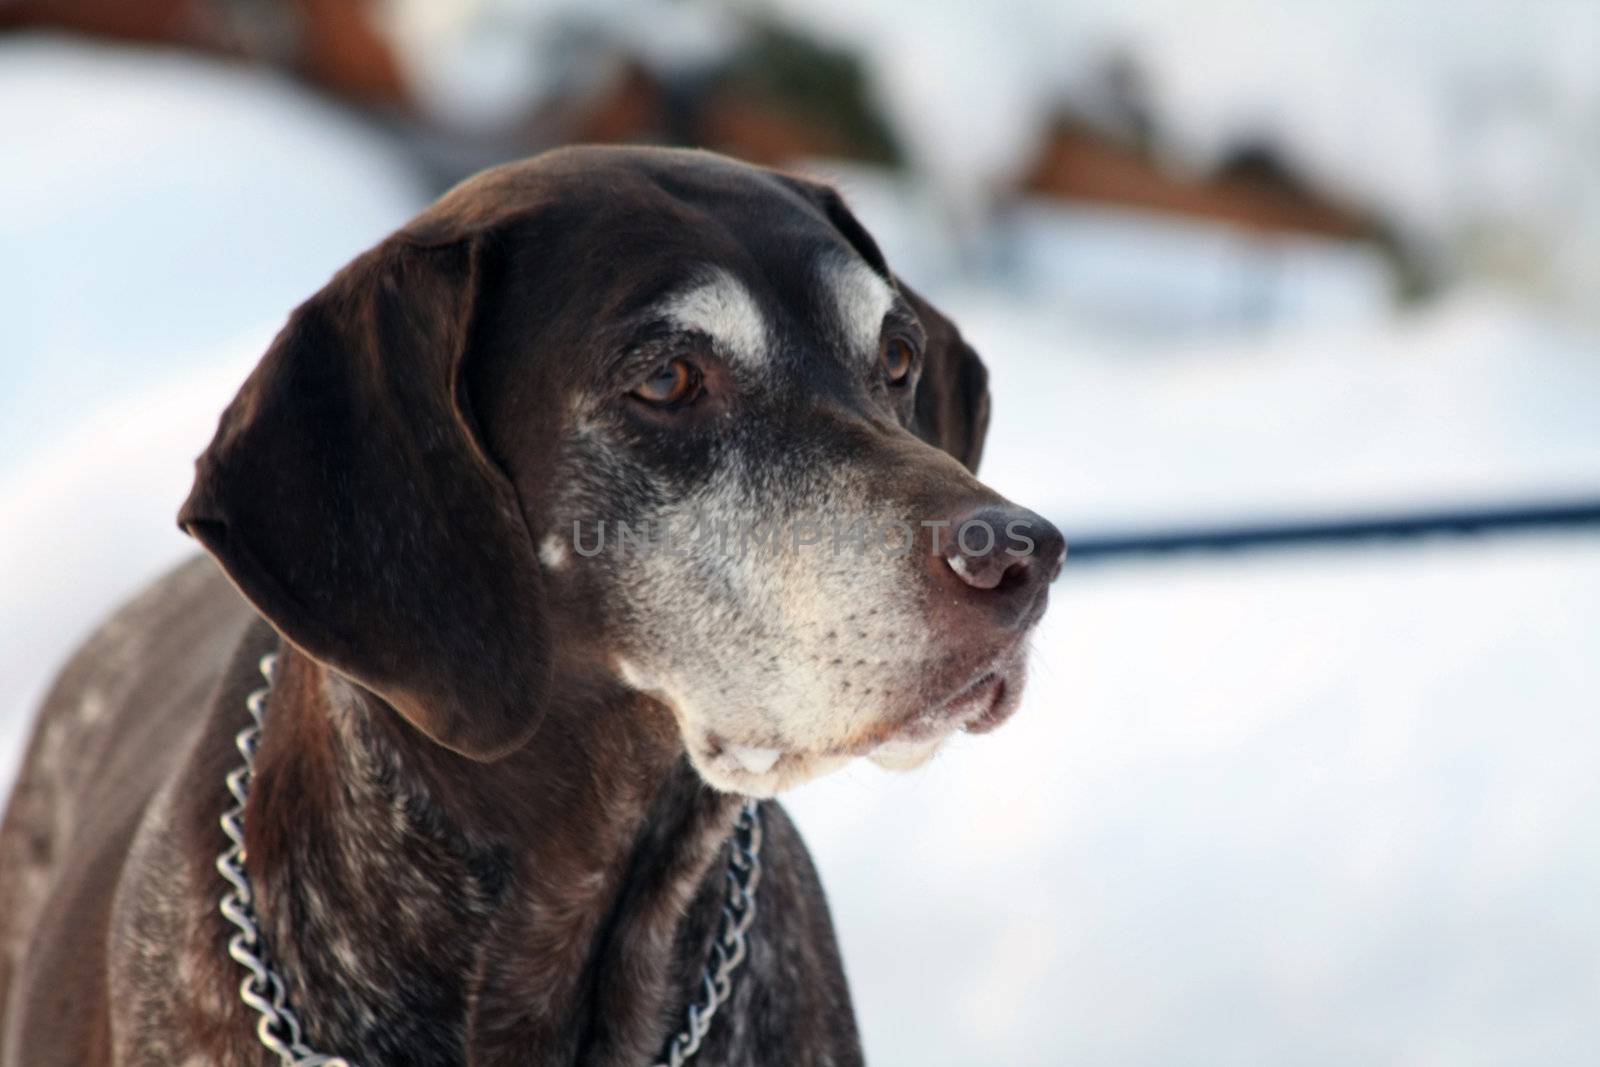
(721, 307)
(864, 300)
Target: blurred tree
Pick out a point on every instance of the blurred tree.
(783, 94)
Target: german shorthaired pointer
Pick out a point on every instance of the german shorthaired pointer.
(618, 487)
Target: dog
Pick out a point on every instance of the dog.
(489, 814)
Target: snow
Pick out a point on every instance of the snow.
(90, 518)
(1297, 807)
(168, 205)
(1477, 399)
(1134, 273)
(484, 64)
(1328, 808)
(171, 213)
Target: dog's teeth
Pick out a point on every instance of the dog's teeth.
(755, 760)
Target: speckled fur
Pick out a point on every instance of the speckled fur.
(416, 925)
(490, 809)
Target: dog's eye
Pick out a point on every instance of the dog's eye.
(897, 357)
(673, 385)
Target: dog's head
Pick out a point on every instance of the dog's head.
(653, 410)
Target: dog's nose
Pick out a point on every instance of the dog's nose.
(1009, 552)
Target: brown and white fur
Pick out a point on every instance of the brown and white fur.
(489, 814)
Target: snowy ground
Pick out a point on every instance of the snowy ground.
(1332, 808)
(1308, 808)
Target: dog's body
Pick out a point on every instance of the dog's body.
(115, 950)
(482, 828)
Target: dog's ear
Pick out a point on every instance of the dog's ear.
(952, 403)
(348, 496)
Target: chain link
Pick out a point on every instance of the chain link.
(263, 989)
(729, 950)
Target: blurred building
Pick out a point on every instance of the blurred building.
(1100, 201)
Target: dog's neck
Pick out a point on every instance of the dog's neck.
(426, 908)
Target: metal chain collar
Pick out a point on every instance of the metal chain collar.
(264, 991)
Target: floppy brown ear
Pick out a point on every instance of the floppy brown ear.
(952, 406)
(347, 496)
